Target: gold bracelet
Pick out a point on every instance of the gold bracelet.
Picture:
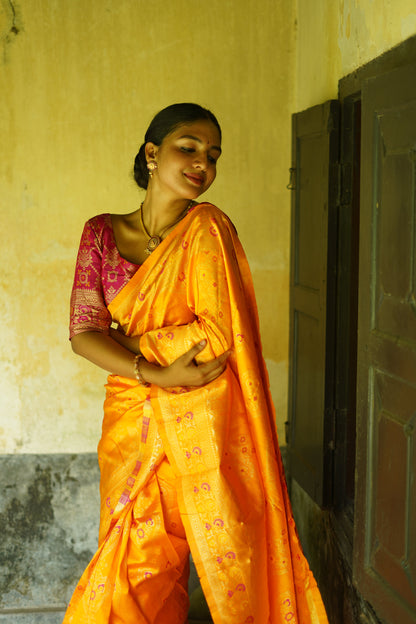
(137, 371)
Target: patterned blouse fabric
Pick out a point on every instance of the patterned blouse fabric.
(219, 441)
(100, 274)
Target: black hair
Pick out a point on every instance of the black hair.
(165, 122)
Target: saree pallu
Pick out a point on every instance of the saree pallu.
(213, 450)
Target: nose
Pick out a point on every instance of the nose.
(201, 161)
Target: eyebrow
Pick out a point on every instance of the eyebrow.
(194, 138)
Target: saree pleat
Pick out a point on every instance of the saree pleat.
(219, 442)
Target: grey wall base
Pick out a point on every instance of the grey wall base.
(49, 514)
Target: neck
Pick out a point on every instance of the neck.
(161, 212)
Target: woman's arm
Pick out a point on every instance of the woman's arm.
(116, 355)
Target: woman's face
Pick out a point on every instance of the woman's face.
(186, 159)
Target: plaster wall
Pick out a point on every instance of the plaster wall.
(79, 83)
(335, 38)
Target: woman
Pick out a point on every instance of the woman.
(189, 456)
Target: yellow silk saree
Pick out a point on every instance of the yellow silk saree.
(194, 468)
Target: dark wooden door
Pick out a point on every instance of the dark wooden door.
(385, 512)
(315, 149)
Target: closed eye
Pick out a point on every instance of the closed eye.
(190, 150)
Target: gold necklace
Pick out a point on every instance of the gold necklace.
(155, 239)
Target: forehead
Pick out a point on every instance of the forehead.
(202, 129)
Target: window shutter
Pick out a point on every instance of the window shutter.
(315, 148)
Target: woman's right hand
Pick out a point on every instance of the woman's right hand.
(185, 371)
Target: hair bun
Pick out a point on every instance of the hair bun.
(141, 174)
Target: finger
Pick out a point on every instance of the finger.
(192, 353)
(218, 363)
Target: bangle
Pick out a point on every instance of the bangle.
(137, 371)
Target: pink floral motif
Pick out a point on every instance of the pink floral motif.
(178, 420)
(230, 555)
(240, 337)
(241, 587)
(189, 415)
(207, 526)
(196, 450)
(230, 593)
(188, 455)
(141, 296)
(219, 522)
(160, 335)
(206, 487)
(185, 244)
(196, 490)
(148, 575)
(150, 522)
(140, 533)
(213, 231)
(108, 502)
(243, 439)
(181, 277)
(219, 559)
(170, 335)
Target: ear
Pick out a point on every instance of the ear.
(150, 150)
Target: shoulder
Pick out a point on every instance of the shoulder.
(99, 223)
(97, 228)
(207, 216)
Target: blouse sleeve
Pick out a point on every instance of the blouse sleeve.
(88, 308)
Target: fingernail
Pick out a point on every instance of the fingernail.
(202, 343)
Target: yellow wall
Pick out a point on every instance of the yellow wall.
(335, 37)
(79, 82)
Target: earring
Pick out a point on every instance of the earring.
(151, 166)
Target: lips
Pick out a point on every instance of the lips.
(196, 179)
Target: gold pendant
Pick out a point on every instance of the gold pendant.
(152, 243)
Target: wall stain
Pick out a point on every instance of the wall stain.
(10, 25)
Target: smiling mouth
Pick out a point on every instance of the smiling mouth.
(195, 179)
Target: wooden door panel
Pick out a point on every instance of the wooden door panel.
(390, 532)
(395, 304)
(385, 520)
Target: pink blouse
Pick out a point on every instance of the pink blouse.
(100, 274)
